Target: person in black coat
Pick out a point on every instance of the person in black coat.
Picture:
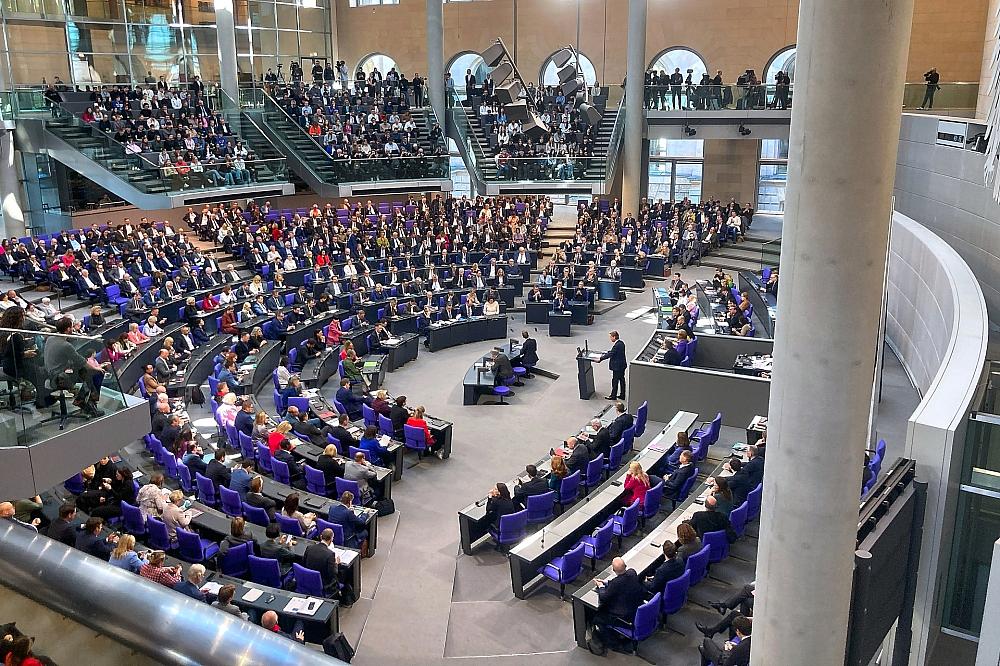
(579, 456)
(295, 473)
(529, 352)
(733, 653)
(499, 504)
(600, 442)
(399, 415)
(672, 567)
(255, 499)
(330, 465)
(711, 520)
(217, 470)
(739, 484)
(735, 605)
(618, 599)
(622, 422)
(617, 365)
(673, 485)
(533, 486)
(668, 354)
(63, 528)
(319, 557)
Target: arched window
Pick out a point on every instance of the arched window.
(549, 77)
(379, 61)
(782, 61)
(680, 58)
(466, 61)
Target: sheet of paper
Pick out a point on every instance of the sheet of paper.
(252, 595)
(211, 588)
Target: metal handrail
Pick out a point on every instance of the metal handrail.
(617, 132)
(168, 626)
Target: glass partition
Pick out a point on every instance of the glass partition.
(697, 97)
(955, 95)
(52, 383)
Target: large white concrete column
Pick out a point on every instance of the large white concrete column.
(10, 188)
(842, 157)
(226, 22)
(635, 71)
(435, 58)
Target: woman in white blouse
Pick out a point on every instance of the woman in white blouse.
(491, 307)
(257, 286)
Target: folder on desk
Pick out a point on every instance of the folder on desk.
(252, 595)
(369, 365)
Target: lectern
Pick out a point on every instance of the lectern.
(585, 371)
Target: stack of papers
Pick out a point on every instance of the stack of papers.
(252, 595)
(211, 588)
(393, 341)
(303, 606)
(384, 440)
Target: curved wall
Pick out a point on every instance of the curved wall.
(937, 323)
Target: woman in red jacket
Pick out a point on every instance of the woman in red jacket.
(417, 421)
(636, 484)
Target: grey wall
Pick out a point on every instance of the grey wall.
(942, 189)
(720, 351)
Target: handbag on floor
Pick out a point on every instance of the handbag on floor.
(337, 646)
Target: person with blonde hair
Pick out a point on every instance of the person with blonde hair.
(275, 438)
(636, 484)
(124, 555)
(261, 431)
(175, 515)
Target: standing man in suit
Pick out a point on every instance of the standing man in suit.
(618, 600)
(617, 365)
(163, 367)
(529, 352)
(319, 557)
(533, 486)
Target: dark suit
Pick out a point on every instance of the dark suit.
(320, 558)
(738, 656)
(672, 486)
(294, 468)
(671, 357)
(271, 549)
(346, 438)
(578, 459)
(351, 402)
(398, 415)
(94, 545)
(190, 589)
(535, 486)
(244, 422)
(617, 365)
(618, 427)
(528, 355)
(497, 507)
(259, 501)
(739, 484)
(502, 369)
(600, 442)
(355, 527)
(218, 473)
(63, 531)
(710, 521)
(331, 468)
(666, 572)
(618, 600)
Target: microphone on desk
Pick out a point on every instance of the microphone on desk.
(543, 536)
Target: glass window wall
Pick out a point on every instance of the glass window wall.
(676, 169)
(772, 175)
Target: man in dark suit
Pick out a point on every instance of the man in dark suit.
(617, 365)
(255, 499)
(217, 470)
(355, 527)
(739, 483)
(673, 485)
(735, 652)
(245, 418)
(623, 421)
(295, 472)
(274, 550)
(351, 402)
(343, 435)
(668, 354)
(63, 528)
(502, 369)
(672, 567)
(600, 442)
(319, 557)
(618, 600)
(533, 486)
(732, 607)
(529, 352)
(91, 542)
(711, 520)
(579, 456)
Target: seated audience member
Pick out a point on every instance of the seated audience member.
(371, 444)
(533, 486)
(192, 586)
(319, 557)
(363, 473)
(350, 400)
(237, 536)
(255, 499)
(636, 484)
(711, 520)
(672, 567)
(224, 602)
(329, 463)
(735, 652)
(269, 620)
(156, 572)
(668, 354)
(499, 504)
(688, 542)
(176, 514)
(92, 542)
(740, 603)
(618, 599)
(124, 556)
(623, 421)
(674, 484)
(355, 525)
(417, 420)
(274, 548)
(290, 509)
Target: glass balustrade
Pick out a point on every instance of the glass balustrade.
(51, 383)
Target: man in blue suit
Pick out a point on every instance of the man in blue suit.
(355, 527)
(617, 366)
(351, 402)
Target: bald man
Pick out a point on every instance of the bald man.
(618, 599)
(269, 620)
(7, 513)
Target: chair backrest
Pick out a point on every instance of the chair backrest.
(697, 565)
(602, 538)
(274, 380)
(718, 545)
(686, 362)
(298, 401)
(236, 560)
(692, 348)
(315, 480)
(338, 530)
(572, 563)
(754, 498)
(264, 457)
(280, 471)
(206, 489)
(340, 406)
(345, 485)
(265, 571)
(595, 471)
(134, 521)
(630, 518)
(540, 507)
(640, 417)
(616, 454)
(686, 488)
(279, 404)
(307, 581)
(569, 487)
(246, 445)
(513, 527)
(74, 484)
(289, 525)
(646, 619)
(256, 515)
(170, 463)
(371, 419)
(738, 518)
(333, 440)
(385, 425)
(675, 593)
(714, 428)
(415, 437)
(880, 449)
(159, 537)
(629, 436)
(293, 355)
(232, 505)
(190, 545)
(651, 504)
(353, 451)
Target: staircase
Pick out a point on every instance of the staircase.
(750, 255)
